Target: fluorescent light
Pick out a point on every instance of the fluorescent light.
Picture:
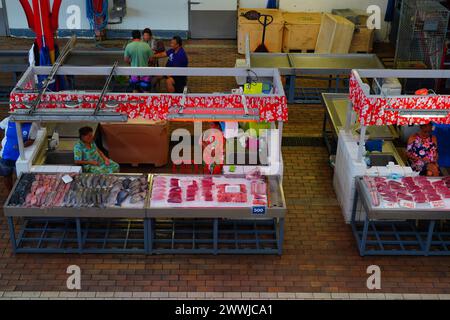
(421, 113)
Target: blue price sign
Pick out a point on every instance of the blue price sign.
(260, 210)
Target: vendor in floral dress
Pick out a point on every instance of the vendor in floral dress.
(422, 151)
(90, 157)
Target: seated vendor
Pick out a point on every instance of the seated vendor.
(422, 151)
(90, 157)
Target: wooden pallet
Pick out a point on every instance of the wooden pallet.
(299, 51)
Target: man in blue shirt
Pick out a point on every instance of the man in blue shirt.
(177, 59)
(10, 147)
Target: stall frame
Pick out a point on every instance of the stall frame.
(386, 109)
(381, 226)
(53, 107)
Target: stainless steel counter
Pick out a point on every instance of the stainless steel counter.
(310, 63)
(395, 214)
(336, 107)
(275, 209)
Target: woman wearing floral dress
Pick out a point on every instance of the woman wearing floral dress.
(90, 157)
(422, 151)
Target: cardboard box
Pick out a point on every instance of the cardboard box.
(137, 142)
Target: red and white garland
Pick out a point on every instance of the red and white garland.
(372, 111)
(156, 107)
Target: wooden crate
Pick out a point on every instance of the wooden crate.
(358, 17)
(301, 30)
(335, 35)
(274, 32)
(362, 41)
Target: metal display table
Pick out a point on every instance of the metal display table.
(398, 231)
(324, 67)
(336, 107)
(16, 62)
(149, 230)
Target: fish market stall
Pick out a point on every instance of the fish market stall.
(327, 68)
(395, 212)
(391, 211)
(241, 211)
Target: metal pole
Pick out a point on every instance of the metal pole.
(349, 120)
(105, 87)
(67, 48)
(12, 234)
(361, 143)
(20, 140)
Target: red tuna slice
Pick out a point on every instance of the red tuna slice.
(174, 182)
(158, 197)
(174, 200)
(420, 200)
(433, 197)
(259, 203)
(405, 197)
(259, 196)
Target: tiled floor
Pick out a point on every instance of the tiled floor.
(320, 258)
(47, 295)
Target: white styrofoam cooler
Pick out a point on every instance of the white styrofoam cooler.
(347, 167)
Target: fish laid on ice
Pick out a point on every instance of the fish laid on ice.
(134, 190)
(126, 183)
(143, 180)
(134, 183)
(116, 187)
(112, 198)
(121, 196)
(102, 181)
(138, 197)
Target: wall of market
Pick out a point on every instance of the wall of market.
(165, 17)
(141, 14)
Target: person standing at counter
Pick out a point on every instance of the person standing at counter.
(422, 151)
(138, 54)
(10, 147)
(90, 157)
(177, 59)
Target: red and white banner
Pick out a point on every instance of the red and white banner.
(372, 111)
(156, 107)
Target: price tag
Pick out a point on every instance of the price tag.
(259, 210)
(67, 179)
(437, 204)
(391, 205)
(233, 189)
(407, 204)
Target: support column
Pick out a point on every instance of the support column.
(361, 143)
